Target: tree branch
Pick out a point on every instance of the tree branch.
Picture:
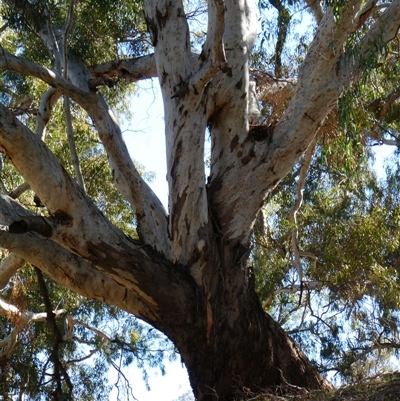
(185, 127)
(59, 371)
(8, 268)
(71, 143)
(131, 277)
(296, 206)
(13, 63)
(315, 7)
(21, 320)
(67, 107)
(363, 15)
(269, 160)
(213, 53)
(382, 32)
(283, 26)
(150, 212)
(47, 102)
(131, 70)
(74, 215)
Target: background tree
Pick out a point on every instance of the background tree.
(191, 271)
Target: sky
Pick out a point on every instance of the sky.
(144, 135)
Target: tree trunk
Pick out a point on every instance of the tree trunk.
(235, 347)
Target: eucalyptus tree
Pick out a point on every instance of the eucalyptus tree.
(188, 272)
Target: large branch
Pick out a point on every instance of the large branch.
(150, 213)
(125, 274)
(148, 289)
(316, 9)
(185, 123)
(151, 216)
(292, 214)
(256, 166)
(74, 216)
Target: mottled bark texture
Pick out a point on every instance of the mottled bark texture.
(188, 273)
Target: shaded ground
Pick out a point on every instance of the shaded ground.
(385, 387)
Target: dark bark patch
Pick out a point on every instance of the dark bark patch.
(161, 18)
(239, 84)
(226, 69)
(234, 142)
(18, 227)
(249, 157)
(262, 132)
(61, 218)
(176, 159)
(152, 28)
(36, 224)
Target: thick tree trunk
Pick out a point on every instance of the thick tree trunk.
(236, 347)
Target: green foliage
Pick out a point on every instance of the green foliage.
(348, 230)
(345, 313)
(119, 341)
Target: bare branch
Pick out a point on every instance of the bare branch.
(11, 210)
(213, 50)
(132, 70)
(382, 32)
(71, 143)
(315, 7)
(72, 211)
(65, 33)
(22, 320)
(270, 159)
(47, 103)
(296, 206)
(363, 15)
(283, 26)
(13, 63)
(42, 118)
(17, 192)
(184, 137)
(151, 215)
(52, 41)
(67, 107)
(293, 289)
(73, 272)
(9, 267)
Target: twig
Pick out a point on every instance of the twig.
(295, 208)
(59, 369)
